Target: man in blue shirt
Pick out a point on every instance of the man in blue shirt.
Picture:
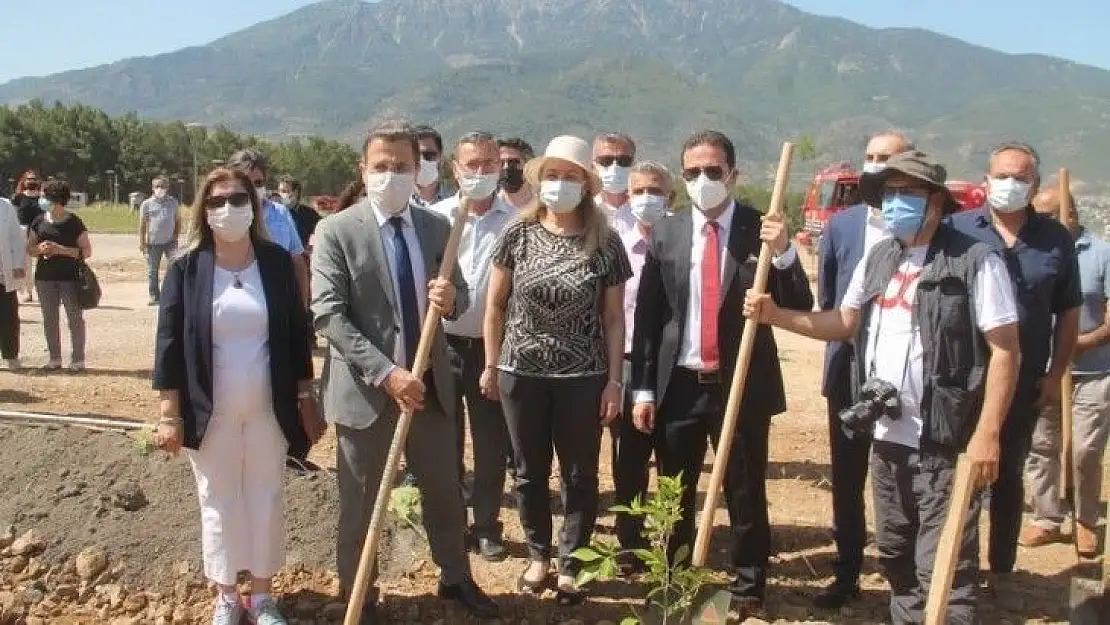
(1090, 406)
(1040, 256)
(279, 223)
(850, 234)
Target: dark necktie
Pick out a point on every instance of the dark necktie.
(710, 297)
(406, 285)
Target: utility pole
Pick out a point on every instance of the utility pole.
(193, 147)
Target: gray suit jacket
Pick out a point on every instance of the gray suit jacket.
(354, 309)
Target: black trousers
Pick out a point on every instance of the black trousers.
(850, 459)
(632, 451)
(912, 494)
(1007, 494)
(488, 433)
(562, 413)
(691, 414)
(9, 324)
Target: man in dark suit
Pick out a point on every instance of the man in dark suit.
(847, 237)
(700, 264)
(374, 271)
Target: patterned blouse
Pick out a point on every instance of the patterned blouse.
(553, 325)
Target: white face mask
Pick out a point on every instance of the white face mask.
(873, 168)
(478, 186)
(707, 194)
(429, 173)
(263, 194)
(389, 192)
(647, 208)
(561, 196)
(288, 200)
(160, 193)
(614, 178)
(1008, 195)
(231, 223)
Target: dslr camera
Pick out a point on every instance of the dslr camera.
(877, 398)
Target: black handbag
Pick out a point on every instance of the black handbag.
(88, 287)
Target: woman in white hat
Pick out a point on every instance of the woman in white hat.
(554, 330)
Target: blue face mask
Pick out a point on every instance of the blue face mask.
(904, 215)
(45, 204)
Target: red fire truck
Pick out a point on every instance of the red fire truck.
(837, 187)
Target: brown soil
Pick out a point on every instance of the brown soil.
(56, 482)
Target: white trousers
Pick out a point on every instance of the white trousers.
(238, 469)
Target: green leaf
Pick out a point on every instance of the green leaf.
(585, 576)
(586, 554)
(681, 554)
(630, 620)
(646, 556)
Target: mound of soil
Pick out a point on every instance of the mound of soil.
(78, 488)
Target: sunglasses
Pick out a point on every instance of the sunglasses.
(212, 202)
(713, 172)
(429, 155)
(606, 161)
(514, 163)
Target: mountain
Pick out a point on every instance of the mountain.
(760, 70)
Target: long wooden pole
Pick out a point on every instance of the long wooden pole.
(1066, 465)
(740, 374)
(951, 539)
(400, 435)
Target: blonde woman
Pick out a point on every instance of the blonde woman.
(234, 368)
(554, 330)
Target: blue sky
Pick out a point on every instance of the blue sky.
(91, 32)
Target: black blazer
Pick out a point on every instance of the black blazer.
(664, 294)
(183, 349)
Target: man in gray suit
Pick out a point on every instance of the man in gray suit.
(370, 266)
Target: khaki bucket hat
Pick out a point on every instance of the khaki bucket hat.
(915, 164)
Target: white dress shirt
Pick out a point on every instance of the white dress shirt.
(636, 247)
(475, 250)
(419, 275)
(689, 354)
(874, 230)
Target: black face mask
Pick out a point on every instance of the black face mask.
(512, 179)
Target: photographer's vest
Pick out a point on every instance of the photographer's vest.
(954, 350)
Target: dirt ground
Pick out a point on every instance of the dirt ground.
(42, 472)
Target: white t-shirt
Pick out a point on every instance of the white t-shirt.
(895, 351)
(240, 344)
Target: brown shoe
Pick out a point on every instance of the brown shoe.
(1037, 536)
(1086, 540)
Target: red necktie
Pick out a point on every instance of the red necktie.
(710, 297)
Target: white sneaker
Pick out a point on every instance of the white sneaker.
(52, 365)
(77, 366)
(227, 613)
(265, 613)
(12, 364)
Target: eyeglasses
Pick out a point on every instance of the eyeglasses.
(623, 160)
(429, 155)
(713, 172)
(241, 198)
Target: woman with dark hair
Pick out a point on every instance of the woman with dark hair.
(28, 205)
(60, 241)
(234, 368)
(554, 342)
